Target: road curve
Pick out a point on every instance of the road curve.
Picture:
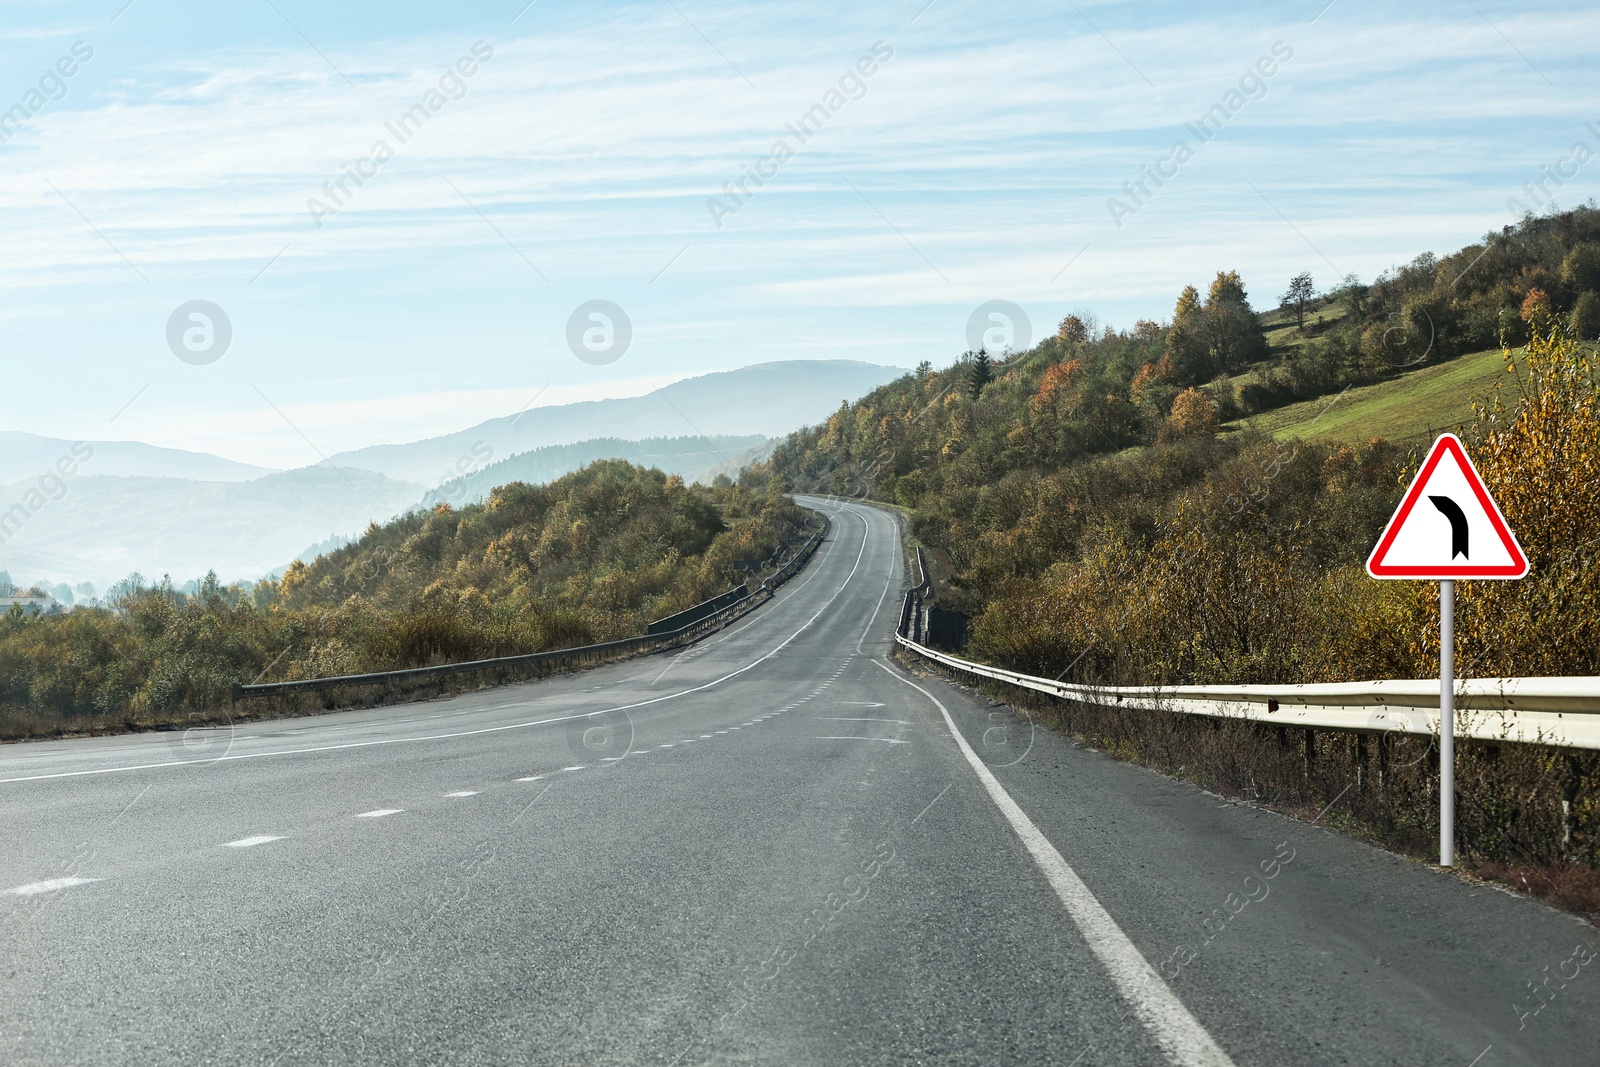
(775, 847)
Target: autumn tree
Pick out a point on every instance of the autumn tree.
(1193, 415)
(1073, 331)
(1536, 308)
(1219, 337)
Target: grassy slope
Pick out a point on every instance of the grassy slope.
(1416, 405)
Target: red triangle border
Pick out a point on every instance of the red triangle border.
(1452, 444)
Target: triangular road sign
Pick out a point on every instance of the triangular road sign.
(1447, 526)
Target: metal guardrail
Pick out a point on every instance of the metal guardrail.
(703, 610)
(1563, 712)
(582, 654)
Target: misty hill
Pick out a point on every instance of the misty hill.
(768, 399)
(105, 527)
(26, 455)
(694, 459)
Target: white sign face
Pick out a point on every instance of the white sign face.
(1447, 526)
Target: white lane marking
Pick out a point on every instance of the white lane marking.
(848, 718)
(379, 813)
(669, 745)
(50, 886)
(612, 759)
(755, 618)
(464, 793)
(705, 737)
(861, 703)
(531, 778)
(252, 842)
(1178, 1033)
(752, 665)
(722, 731)
(885, 740)
(575, 767)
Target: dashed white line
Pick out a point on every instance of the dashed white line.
(50, 886)
(885, 740)
(378, 813)
(847, 718)
(464, 793)
(252, 842)
(575, 767)
(531, 778)
(668, 745)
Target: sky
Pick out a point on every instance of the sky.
(958, 154)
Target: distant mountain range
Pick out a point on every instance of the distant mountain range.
(135, 507)
(769, 399)
(103, 528)
(26, 455)
(694, 459)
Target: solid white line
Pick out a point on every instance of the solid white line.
(48, 886)
(752, 665)
(380, 813)
(1178, 1033)
(464, 793)
(252, 842)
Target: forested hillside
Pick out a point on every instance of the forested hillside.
(592, 556)
(1095, 514)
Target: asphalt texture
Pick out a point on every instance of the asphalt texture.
(769, 848)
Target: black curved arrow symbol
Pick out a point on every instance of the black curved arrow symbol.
(1458, 524)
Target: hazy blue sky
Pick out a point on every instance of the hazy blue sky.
(974, 163)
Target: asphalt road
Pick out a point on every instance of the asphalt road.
(776, 847)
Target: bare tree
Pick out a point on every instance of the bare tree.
(1301, 290)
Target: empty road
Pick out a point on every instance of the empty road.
(775, 847)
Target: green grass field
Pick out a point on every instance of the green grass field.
(1415, 406)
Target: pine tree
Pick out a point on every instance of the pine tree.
(981, 372)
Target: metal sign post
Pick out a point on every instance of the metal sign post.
(1447, 722)
(1461, 534)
